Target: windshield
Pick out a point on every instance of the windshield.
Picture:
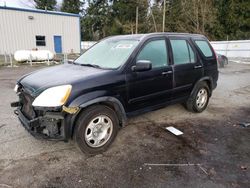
(108, 53)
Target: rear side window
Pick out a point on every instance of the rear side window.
(204, 47)
(156, 52)
(182, 51)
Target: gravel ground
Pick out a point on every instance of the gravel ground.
(212, 140)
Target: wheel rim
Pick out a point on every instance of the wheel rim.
(201, 98)
(98, 131)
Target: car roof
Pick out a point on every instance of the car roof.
(148, 35)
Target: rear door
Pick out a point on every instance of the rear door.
(208, 58)
(187, 66)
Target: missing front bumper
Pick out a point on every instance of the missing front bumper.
(50, 126)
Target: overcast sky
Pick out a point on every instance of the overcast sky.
(19, 3)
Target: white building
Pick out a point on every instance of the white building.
(27, 29)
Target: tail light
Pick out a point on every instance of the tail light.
(216, 56)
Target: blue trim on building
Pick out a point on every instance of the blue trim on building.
(40, 11)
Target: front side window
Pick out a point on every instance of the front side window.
(109, 53)
(182, 51)
(40, 40)
(204, 47)
(155, 52)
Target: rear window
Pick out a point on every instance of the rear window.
(204, 47)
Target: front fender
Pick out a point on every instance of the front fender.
(92, 98)
(88, 97)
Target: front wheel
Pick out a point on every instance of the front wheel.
(199, 98)
(96, 128)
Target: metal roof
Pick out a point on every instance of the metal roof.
(39, 11)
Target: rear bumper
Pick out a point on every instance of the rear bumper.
(36, 126)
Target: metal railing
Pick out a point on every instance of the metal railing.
(7, 59)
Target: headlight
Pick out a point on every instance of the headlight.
(16, 88)
(53, 97)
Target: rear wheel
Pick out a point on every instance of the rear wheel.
(199, 98)
(96, 128)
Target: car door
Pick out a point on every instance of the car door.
(187, 66)
(153, 86)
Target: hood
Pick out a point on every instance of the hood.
(38, 81)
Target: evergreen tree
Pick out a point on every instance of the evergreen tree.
(216, 19)
(124, 12)
(234, 19)
(71, 6)
(45, 4)
(97, 20)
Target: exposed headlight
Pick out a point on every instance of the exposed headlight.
(53, 97)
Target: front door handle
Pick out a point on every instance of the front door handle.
(166, 73)
(198, 66)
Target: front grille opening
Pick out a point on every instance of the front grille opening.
(52, 129)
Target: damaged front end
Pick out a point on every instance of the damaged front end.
(41, 122)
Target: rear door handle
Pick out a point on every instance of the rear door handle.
(166, 73)
(198, 66)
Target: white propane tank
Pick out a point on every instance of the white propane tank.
(34, 55)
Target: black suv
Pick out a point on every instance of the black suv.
(90, 98)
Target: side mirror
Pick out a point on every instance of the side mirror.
(142, 65)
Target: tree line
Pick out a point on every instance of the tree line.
(217, 19)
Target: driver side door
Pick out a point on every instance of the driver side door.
(151, 87)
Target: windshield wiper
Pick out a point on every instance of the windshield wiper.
(91, 65)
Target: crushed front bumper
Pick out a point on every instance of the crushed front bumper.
(50, 126)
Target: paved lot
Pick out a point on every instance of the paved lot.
(212, 139)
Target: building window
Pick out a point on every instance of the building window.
(40, 40)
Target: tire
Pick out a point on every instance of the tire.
(222, 64)
(96, 128)
(199, 98)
